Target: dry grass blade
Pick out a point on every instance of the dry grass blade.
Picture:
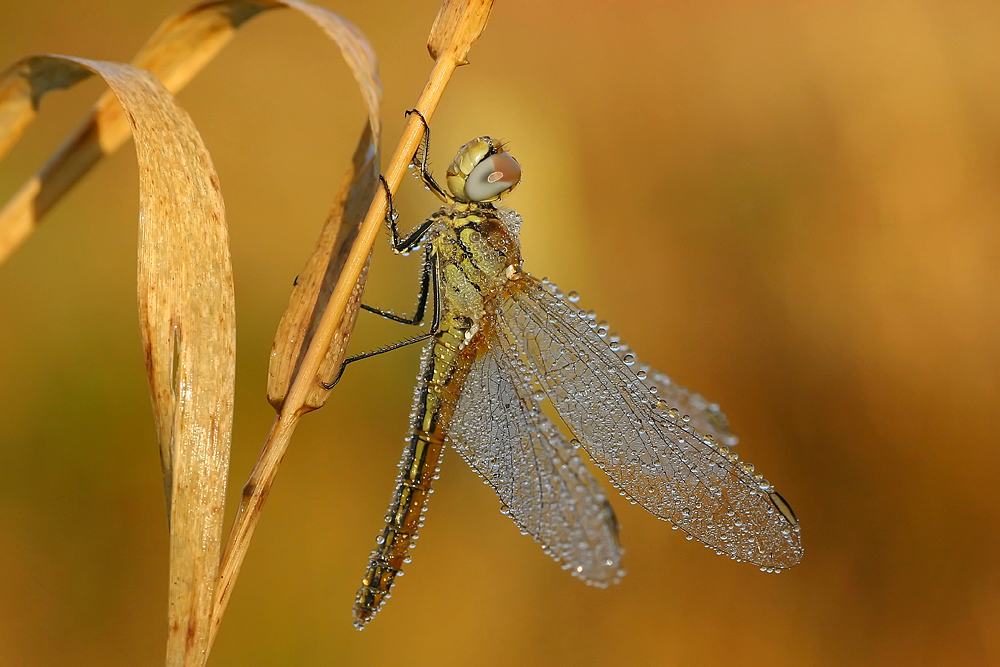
(316, 282)
(309, 296)
(179, 49)
(187, 320)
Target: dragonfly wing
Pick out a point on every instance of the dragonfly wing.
(651, 453)
(542, 482)
(706, 417)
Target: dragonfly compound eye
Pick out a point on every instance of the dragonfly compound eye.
(492, 178)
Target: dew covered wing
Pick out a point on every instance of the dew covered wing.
(706, 417)
(649, 451)
(543, 484)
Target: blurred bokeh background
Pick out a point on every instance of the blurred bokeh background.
(793, 207)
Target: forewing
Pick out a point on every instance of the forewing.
(706, 417)
(656, 457)
(543, 484)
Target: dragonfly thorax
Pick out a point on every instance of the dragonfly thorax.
(475, 256)
(482, 171)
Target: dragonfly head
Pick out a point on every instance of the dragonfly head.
(482, 171)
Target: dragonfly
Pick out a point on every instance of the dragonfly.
(500, 344)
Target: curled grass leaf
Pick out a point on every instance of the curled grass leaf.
(177, 51)
(316, 282)
(186, 315)
(309, 297)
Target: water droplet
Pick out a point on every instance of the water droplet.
(641, 374)
(629, 359)
(573, 296)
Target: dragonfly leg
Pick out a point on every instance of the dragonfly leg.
(374, 353)
(400, 244)
(425, 284)
(420, 161)
(429, 270)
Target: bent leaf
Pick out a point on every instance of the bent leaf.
(176, 52)
(316, 282)
(179, 49)
(186, 314)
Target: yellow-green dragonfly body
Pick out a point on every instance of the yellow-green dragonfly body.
(501, 343)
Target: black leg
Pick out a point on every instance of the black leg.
(400, 245)
(420, 161)
(435, 325)
(374, 353)
(425, 283)
(432, 270)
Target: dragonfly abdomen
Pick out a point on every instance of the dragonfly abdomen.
(444, 369)
(420, 465)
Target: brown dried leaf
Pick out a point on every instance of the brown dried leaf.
(316, 282)
(186, 315)
(322, 270)
(179, 49)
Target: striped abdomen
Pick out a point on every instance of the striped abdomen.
(440, 381)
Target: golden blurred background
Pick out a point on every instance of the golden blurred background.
(793, 207)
